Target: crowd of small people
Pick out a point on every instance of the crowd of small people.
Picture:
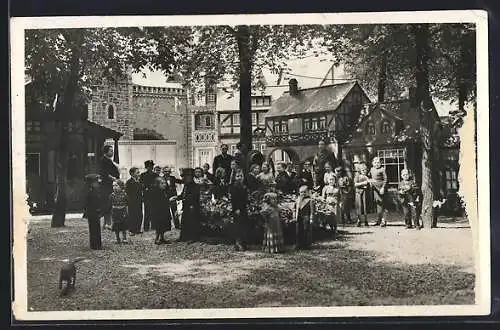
(323, 193)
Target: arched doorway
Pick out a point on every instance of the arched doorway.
(286, 155)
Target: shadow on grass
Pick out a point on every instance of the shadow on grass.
(350, 277)
(330, 274)
(329, 277)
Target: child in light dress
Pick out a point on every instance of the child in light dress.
(273, 230)
(331, 197)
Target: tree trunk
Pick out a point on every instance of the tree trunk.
(382, 78)
(244, 54)
(59, 214)
(64, 114)
(421, 34)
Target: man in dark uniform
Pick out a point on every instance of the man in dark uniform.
(223, 160)
(147, 180)
(320, 159)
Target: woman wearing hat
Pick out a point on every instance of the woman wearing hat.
(190, 197)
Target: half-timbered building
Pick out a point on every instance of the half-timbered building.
(391, 131)
(300, 118)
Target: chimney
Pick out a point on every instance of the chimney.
(293, 89)
(412, 95)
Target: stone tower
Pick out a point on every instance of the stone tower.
(112, 106)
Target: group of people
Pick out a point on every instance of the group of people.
(322, 190)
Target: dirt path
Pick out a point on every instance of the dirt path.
(366, 266)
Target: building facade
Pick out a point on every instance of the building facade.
(204, 136)
(216, 120)
(391, 131)
(85, 142)
(155, 122)
(300, 118)
(228, 117)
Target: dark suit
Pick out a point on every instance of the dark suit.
(134, 191)
(253, 183)
(191, 208)
(107, 168)
(305, 178)
(283, 182)
(223, 161)
(92, 211)
(147, 180)
(239, 201)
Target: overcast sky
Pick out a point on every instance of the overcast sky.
(309, 72)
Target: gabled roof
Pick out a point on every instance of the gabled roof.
(230, 100)
(401, 110)
(311, 100)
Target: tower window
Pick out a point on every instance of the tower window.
(111, 111)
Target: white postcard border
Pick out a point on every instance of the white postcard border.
(480, 229)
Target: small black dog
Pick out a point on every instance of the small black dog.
(67, 275)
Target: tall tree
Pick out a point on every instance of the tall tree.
(67, 62)
(379, 56)
(453, 68)
(236, 54)
(427, 122)
(438, 58)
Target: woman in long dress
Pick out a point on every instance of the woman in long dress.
(190, 197)
(273, 230)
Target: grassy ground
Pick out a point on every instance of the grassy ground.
(365, 266)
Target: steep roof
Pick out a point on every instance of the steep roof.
(311, 100)
(230, 101)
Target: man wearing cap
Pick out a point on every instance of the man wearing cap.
(147, 180)
(223, 160)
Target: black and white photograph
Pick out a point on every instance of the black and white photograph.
(229, 166)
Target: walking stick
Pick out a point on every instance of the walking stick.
(364, 206)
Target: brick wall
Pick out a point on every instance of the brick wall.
(117, 95)
(161, 109)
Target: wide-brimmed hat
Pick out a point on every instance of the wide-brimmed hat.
(148, 163)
